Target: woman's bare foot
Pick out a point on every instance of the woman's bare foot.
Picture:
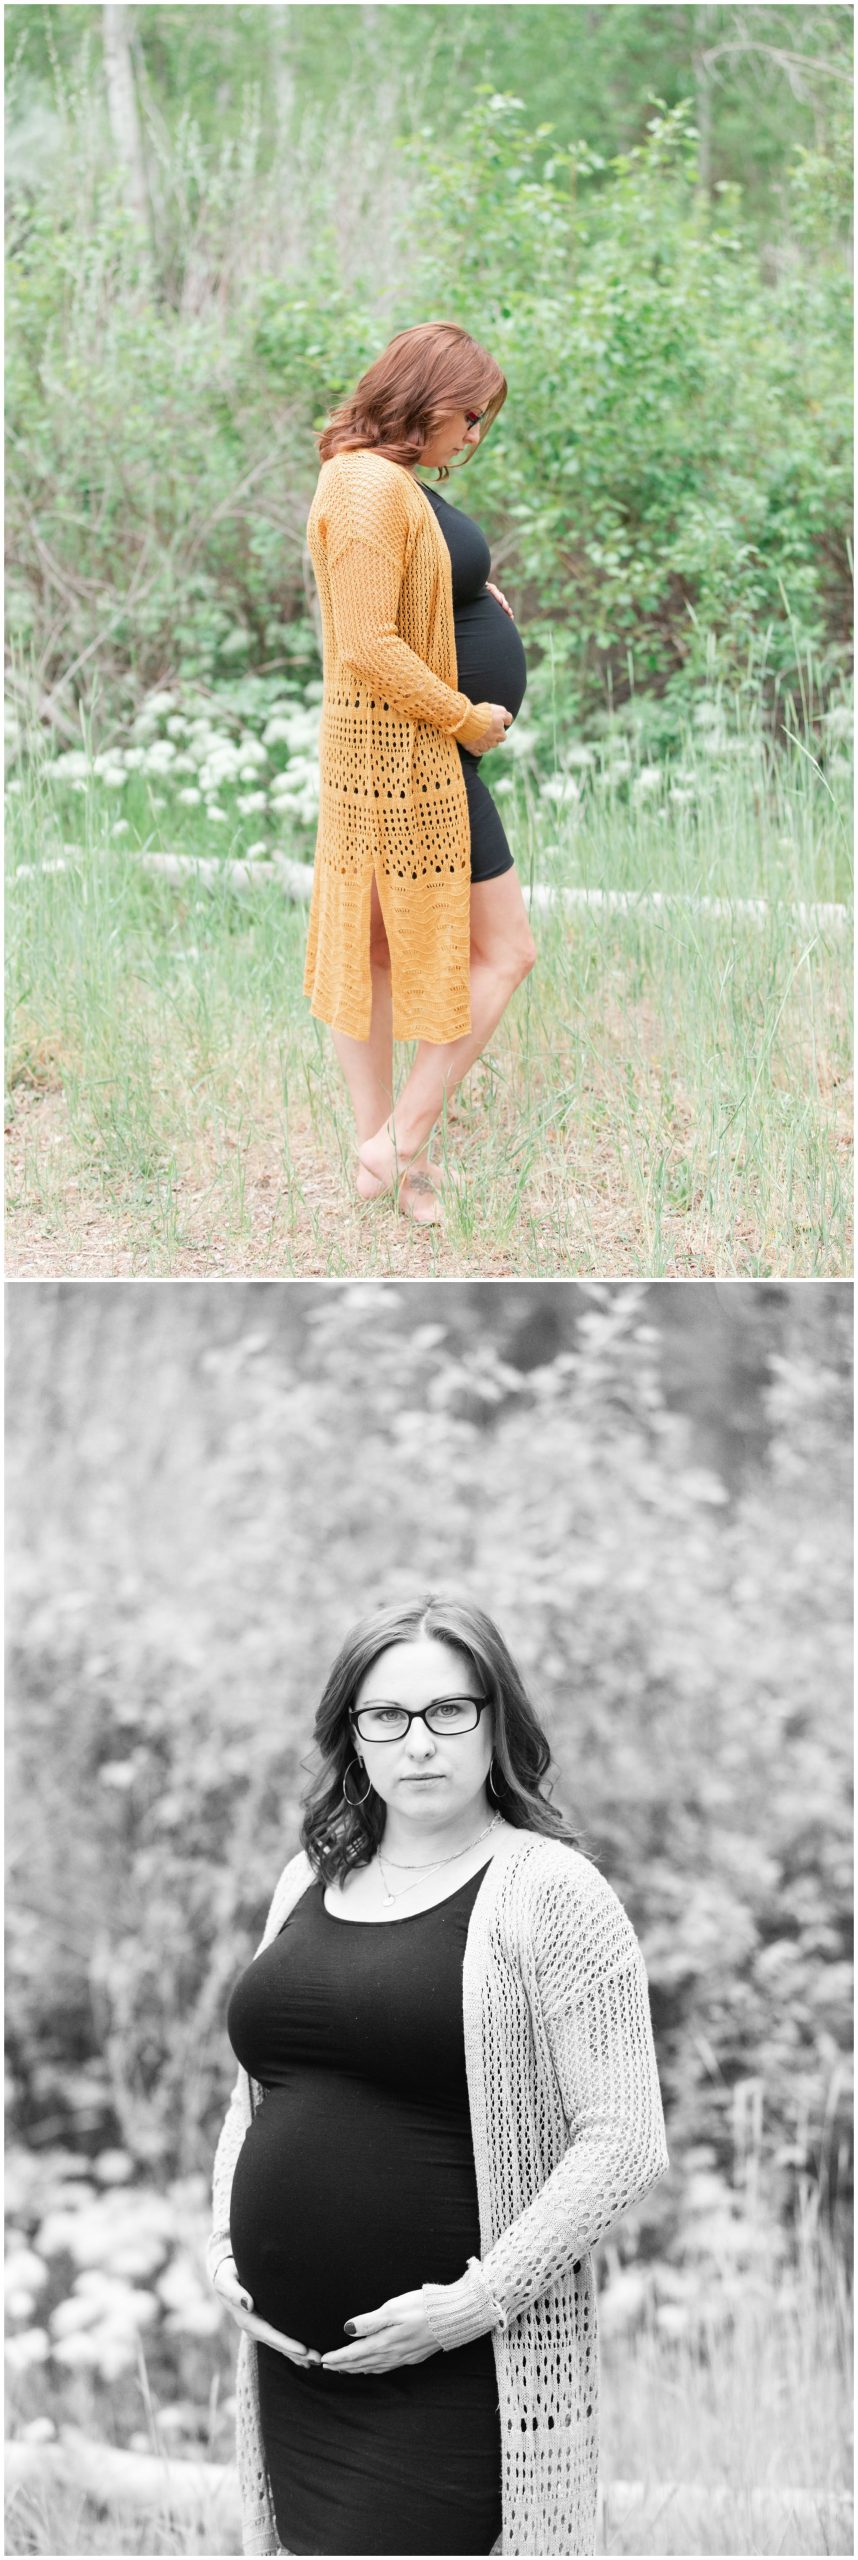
(418, 1196)
(418, 1178)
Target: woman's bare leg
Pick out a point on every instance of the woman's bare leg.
(367, 1065)
(502, 953)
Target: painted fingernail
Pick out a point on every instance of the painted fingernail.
(349, 2330)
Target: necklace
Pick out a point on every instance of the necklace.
(430, 1870)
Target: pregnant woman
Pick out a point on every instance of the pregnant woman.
(447, 2092)
(418, 928)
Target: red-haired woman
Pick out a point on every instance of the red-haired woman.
(418, 928)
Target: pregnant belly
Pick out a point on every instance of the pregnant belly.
(343, 2194)
(489, 655)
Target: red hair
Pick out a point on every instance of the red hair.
(399, 404)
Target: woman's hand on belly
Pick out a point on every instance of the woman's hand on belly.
(398, 2333)
(495, 591)
(227, 2283)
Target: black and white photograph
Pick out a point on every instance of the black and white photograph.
(430, 1882)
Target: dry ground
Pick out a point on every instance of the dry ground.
(281, 1205)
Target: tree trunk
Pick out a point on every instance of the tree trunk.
(702, 75)
(122, 109)
(284, 78)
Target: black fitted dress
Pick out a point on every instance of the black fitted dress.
(356, 2181)
(491, 668)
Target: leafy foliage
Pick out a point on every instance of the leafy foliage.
(666, 493)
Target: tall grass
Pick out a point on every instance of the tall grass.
(756, 2396)
(667, 1096)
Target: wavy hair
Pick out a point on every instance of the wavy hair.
(402, 399)
(339, 1836)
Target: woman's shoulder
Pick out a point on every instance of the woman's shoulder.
(292, 1881)
(363, 496)
(556, 1885)
(361, 464)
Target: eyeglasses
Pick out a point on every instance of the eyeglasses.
(384, 1722)
(474, 417)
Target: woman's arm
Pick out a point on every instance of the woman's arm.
(365, 588)
(604, 2059)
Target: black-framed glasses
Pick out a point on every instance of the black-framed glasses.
(384, 1722)
(474, 417)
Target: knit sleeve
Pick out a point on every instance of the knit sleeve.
(366, 531)
(230, 2139)
(602, 2051)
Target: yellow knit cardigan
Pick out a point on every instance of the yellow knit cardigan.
(393, 799)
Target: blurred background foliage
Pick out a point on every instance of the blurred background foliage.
(644, 212)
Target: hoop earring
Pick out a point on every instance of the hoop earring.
(492, 1790)
(354, 1801)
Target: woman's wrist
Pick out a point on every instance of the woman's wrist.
(474, 726)
(458, 2313)
(218, 2247)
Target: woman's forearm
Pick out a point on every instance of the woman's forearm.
(617, 2151)
(365, 588)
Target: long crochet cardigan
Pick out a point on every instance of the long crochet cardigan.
(392, 795)
(567, 2130)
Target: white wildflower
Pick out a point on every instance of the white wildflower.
(707, 715)
(190, 798)
(176, 725)
(160, 756)
(219, 817)
(250, 800)
(31, 2347)
(646, 781)
(23, 2267)
(259, 846)
(277, 733)
(579, 756)
(561, 788)
(839, 721)
(134, 759)
(71, 764)
(114, 779)
(120, 827)
(682, 799)
(252, 751)
(613, 773)
(157, 703)
(521, 740)
(184, 763)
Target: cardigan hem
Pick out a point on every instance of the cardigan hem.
(406, 1026)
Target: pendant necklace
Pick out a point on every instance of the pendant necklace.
(433, 1869)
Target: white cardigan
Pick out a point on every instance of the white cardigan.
(567, 2129)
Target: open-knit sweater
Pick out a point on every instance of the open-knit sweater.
(392, 793)
(567, 2130)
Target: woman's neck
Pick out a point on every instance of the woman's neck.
(411, 1843)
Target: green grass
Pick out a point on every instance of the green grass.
(668, 1095)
